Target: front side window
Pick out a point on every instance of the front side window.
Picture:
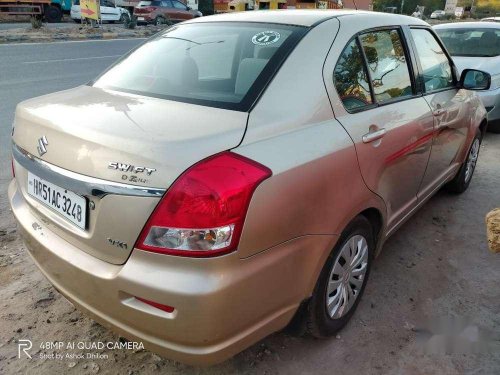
(214, 64)
(436, 68)
(471, 42)
(350, 78)
(387, 66)
(178, 5)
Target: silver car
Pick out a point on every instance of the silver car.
(477, 45)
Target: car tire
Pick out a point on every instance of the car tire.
(462, 179)
(159, 21)
(325, 317)
(124, 18)
(53, 14)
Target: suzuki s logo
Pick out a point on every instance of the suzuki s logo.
(42, 145)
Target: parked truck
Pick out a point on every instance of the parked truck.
(49, 10)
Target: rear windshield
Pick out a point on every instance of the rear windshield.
(471, 42)
(222, 65)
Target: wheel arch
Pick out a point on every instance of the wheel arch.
(483, 126)
(376, 219)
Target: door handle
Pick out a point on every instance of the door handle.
(373, 136)
(439, 112)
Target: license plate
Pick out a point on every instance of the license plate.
(68, 204)
(140, 18)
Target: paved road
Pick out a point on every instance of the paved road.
(29, 70)
(21, 25)
(61, 25)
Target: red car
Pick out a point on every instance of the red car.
(163, 11)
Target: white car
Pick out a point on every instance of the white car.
(109, 12)
(437, 14)
(477, 45)
(490, 19)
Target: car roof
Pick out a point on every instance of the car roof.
(305, 17)
(468, 25)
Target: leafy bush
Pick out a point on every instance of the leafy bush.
(36, 22)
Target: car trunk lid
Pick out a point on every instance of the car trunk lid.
(124, 140)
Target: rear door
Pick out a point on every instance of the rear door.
(449, 106)
(375, 99)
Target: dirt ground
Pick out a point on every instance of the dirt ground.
(75, 32)
(437, 265)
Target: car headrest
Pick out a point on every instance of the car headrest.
(266, 53)
(488, 37)
(248, 72)
(190, 72)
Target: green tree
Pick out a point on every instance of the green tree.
(409, 5)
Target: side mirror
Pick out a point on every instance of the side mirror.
(189, 8)
(472, 79)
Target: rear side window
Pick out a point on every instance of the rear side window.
(223, 65)
(351, 80)
(387, 65)
(435, 65)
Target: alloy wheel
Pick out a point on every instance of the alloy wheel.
(347, 277)
(472, 159)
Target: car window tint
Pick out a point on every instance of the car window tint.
(350, 78)
(435, 65)
(471, 42)
(220, 64)
(164, 3)
(387, 65)
(179, 5)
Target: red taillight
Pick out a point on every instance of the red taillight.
(202, 213)
(144, 9)
(165, 308)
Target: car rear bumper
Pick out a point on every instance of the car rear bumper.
(144, 18)
(222, 305)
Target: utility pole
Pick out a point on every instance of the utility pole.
(402, 5)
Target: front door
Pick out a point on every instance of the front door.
(182, 12)
(389, 124)
(168, 11)
(451, 121)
